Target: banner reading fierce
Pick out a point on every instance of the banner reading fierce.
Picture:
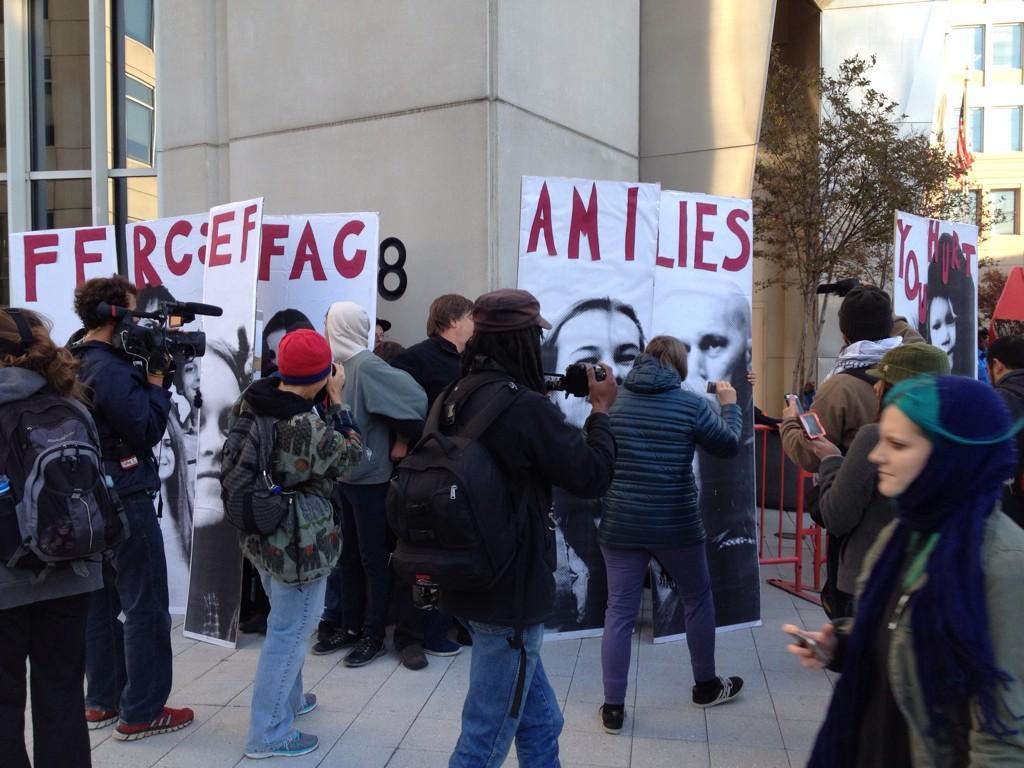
(586, 251)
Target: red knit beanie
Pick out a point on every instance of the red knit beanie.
(304, 357)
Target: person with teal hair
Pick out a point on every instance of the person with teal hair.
(932, 666)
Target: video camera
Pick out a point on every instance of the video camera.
(159, 343)
(574, 381)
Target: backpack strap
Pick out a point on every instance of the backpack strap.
(503, 391)
(860, 373)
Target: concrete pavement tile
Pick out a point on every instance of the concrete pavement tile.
(741, 639)
(432, 734)
(560, 684)
(218, 686)
(590, 687)
(799, 758)
(798, 681)
(186, 672)
(684, 723)
(799, 734)
(344, 755)
(419, 758)
(778, 659)
(750, 703)
(667, 753)
(151, 750)
(801, 707)
(735, 730)
(600, 749)
(748, 757)
(339, 692)
(378, 729)
(205, 651)
(583, 716)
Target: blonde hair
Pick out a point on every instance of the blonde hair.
(669, 351)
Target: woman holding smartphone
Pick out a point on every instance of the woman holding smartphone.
(652, 510)
(932, 663)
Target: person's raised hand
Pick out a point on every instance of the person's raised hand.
(825, 638)
(335, 383)
(602, 393)
(725, 393)
(792, 410)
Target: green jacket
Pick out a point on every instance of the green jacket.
(1002, 559)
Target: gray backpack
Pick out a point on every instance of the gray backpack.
(253, 501)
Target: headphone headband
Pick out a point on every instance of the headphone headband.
(24, 331)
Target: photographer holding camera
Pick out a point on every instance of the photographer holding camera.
(128, 667)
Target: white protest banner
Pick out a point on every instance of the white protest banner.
(45, 268)
(165, 262)
(703, 286)
(307, 262)
(229, 280)
(936, 285)
(586, 251)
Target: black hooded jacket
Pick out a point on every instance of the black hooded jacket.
(1011, 389)
(537, 449)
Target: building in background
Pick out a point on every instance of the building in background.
(431, 112)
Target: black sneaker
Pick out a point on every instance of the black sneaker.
(324, 630)
(716, 692)
(412, 657)
(366, 650)
(612, 716)
(335, 642)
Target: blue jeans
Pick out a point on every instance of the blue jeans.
(128, 667)
(487, 727)
(277, 691)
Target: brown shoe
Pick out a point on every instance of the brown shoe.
(167, 721)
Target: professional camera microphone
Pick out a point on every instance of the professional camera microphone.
(840, 287)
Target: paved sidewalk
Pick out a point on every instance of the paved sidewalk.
(385, 715)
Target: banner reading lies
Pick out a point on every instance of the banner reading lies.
(586, 251)
(703, 286)
(936, 285)
(46, 267)
(232, 264)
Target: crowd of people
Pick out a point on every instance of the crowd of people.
(918, 483)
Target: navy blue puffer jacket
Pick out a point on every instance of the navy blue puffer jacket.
(652, 502)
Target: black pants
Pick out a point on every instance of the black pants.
(51, 635)
(365, 575)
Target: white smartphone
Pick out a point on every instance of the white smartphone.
(805, 640)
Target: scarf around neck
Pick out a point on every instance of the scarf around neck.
(862, 354)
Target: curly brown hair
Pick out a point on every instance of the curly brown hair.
(115, 290)
(55, 364)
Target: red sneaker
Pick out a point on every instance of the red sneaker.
(96, 718)
(167, 721)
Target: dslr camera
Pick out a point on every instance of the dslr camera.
(574, 380)
(154, 340)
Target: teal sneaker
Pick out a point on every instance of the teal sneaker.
(301, 744)
(309, 706)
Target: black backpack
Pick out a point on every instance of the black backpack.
(253, 502)
(60, 506)
(456, 518)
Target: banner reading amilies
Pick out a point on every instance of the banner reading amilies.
(46, 267)
(703, 287)
(936, 285)
(586, 251)
(231, 269)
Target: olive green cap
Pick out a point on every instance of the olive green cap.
(909, 360)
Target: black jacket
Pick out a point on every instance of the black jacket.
(1011, 388)
(534, 445)
(434, 363)
(130, 415)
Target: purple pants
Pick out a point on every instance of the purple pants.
(688, 567)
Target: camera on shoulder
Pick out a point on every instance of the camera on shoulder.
(574, 381)
(154, 340)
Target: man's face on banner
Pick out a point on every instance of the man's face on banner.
(597, 336)
(716, 332)
(273, 341)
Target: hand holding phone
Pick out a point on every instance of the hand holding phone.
(814, 649)
(812, 425)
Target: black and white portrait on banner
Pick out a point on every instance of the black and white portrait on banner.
(936, 285)
(702, 295)
(231, 270)
(586, 251)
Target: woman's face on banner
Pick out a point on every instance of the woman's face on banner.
(597, 336)
(942, 325)
(221, 392)
(190, 380)
(273, 341)
(715, 335)
(165, 457)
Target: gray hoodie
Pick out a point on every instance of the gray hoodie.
(16, 584)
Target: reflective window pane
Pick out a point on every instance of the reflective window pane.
(1004, 129)
(138, 113)
(1004, 201)
(59, 84)
(5, 287)
(1006, 45)
(138, 21)
(969, 47)
(3, 108)
(976, 128)
(60, 204)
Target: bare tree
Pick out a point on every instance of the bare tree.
(835, 162)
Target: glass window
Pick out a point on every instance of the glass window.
(1006, 45)
(969, 45)
(138, 21)
(976, 128)
(60, 204)
(138, 115)
(1004, 129)
(5, 286)
(1005, 202)
(59, 85)
(3, 107)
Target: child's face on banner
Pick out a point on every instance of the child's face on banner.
(942, 325)
(715, 330)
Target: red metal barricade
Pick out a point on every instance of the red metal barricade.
(802, 532)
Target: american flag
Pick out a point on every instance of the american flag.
(963, 153)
